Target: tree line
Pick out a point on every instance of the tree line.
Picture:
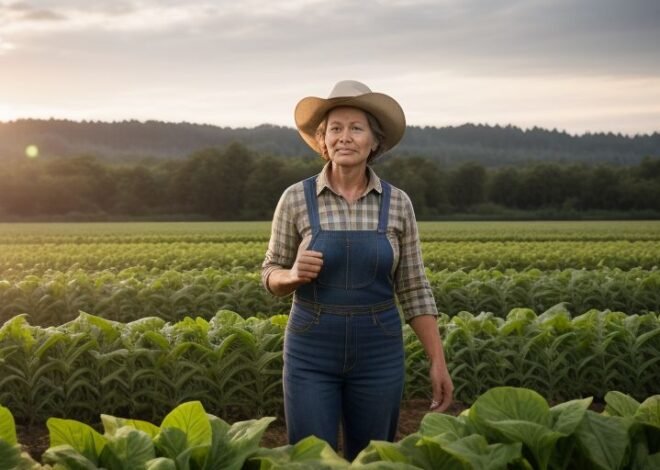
(235, 183)
(492, 146)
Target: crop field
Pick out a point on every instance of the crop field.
(157, 321)
(124, 272)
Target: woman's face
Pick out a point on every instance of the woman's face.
(348, 137)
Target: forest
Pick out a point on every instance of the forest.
(491, 146)
(236, 183)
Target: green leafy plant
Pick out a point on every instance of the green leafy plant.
(188, 438)
(510, 427)
(12, 456)
(234, 365)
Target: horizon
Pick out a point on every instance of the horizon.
(579, 67)
(201, 124)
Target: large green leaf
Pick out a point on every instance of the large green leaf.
(10, 455)
(67, 458)
(404, 451)
(310, 453)
(434, 424)
(381, 451)
(603, 439)
(430, 453)
(107, 327)
(556, 317)
(641, 459)
(231, 445)
(7, 426)
(18, 329)
(171, 442)
(185, 460)
(191, 419)
(79, 436)
(111, 424)
(539, 439)
(649, 411)
(620, 404)
(510, 415)
(567, 416)
(516, 321)
(128, 448)
(510, 403)
(475, 451)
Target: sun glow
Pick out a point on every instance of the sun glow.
(32, 151)
(6, 113)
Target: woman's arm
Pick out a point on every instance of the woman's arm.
(287, 265)
(418, 305)
(426, 329)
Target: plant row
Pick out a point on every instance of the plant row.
(505, 428)
(499, 291)
(57, 297)
(20, 260)
(222, 232)
(540, 255)
(234, 365)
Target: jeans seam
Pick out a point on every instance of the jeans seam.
(346, 309)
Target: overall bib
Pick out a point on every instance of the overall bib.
(343, 347)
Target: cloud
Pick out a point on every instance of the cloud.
(487, 37)
(245, 56)
(22, 12)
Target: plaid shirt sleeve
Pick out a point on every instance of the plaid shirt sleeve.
(284, 236)
(412, 287)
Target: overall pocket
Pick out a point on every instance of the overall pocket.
(300, 319)
(389, 322)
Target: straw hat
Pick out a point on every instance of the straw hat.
(312, 110)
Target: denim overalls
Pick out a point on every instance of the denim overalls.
(343, 348)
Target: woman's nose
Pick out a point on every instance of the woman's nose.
(345, 136)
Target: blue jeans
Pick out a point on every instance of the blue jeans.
(348, 367)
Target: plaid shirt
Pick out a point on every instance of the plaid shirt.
(291, 227)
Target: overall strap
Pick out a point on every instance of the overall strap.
(312, 204)
(384, 206)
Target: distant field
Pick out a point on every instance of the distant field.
(260, 231)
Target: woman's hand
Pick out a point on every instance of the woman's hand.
(443, 387)
(426, 329)
(305, 269)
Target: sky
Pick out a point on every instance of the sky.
(572, 65)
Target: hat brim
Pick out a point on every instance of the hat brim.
(312, 110)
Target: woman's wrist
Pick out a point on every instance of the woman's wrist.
(280, 282)
(438, 361)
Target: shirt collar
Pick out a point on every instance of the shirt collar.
(323, 183)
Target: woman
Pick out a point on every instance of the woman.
(345, 243)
